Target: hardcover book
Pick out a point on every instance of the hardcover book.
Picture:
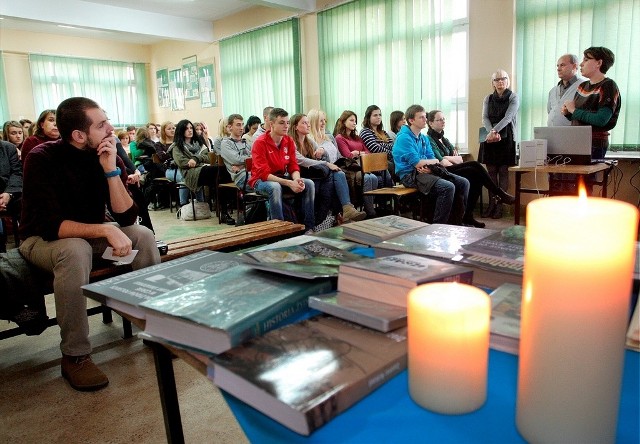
(506, 302)
(373, 314)
(436, 240)
(491, 272)
(373, 231)
(505, 246)
(126, 292)
(388, 279)
(305, 374)
(311, 260)
(225, 309)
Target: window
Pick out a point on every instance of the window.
(394, 53)
(547, 29)
(262, 68)
(120, 88)
(4, 105)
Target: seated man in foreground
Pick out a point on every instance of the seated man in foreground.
(417, 167)
(275, 166)
(68, 185)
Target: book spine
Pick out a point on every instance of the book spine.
(341, 400)
(373, 290)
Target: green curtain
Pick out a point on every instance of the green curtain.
(120, 88)
(547, 29)
(262, 68)
(394, 53)
(4, 104)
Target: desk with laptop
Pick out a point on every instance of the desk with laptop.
(568, 151)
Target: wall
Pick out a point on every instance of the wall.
(16, 45)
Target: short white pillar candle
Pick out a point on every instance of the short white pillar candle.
(448, 346)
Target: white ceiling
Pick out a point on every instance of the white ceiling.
(134, 21)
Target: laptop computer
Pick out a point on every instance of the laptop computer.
(571, 143)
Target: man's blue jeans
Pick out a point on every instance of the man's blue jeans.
(273, 191)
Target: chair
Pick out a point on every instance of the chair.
(217, 161)
(175, 190)
(246, 197)
(378, 162)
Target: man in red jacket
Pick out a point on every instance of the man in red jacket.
(275, 166)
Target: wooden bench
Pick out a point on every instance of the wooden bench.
(229, 239)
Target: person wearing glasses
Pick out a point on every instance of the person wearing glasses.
(498, 151)
(471, 170)
(597, 101)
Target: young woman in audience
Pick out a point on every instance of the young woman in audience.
(222, 133)
(327, 145)
(351, 147)
(167, 133)
(377, 140)
(202, 133)
(473, 171)
(396, 121)
(45, 131)
(123, 137)
(13, 132)
(26, 124)
(153, 132)
(332, 185)
(193, 160)
(250, 129)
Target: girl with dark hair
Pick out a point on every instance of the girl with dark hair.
(46, 130)
(473, 171)
(250, 129)
(396, 121)
(193, 160)
(377, 140)
(351, 146)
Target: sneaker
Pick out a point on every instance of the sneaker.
(327, 223)
(350, 214)
(82, 373)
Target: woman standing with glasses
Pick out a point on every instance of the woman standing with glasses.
(498, 151)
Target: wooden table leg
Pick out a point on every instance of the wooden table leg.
(168, 394)
(516, 209)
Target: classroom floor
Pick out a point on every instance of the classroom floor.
(39, 406)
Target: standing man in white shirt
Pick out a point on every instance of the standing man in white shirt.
(567, 68)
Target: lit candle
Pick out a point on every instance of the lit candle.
(579, 257)
(448, 346)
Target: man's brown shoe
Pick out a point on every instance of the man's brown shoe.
(82, 373)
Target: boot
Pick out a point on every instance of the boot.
(505, 197)
(350, 214)
(497, 213)
(82, 373)
(490, 208)
(469, 221)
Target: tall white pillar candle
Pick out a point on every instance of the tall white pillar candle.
(448, 346)
(579, 258)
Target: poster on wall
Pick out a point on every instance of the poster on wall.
(190, 77)
(176, 89)
(207, 77)
(162, 80)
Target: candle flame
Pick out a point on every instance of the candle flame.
(582, 190)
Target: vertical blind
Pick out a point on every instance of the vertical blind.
(120, 88)
(262, 68)
(4, 104)
(547, 29)
(394, 53)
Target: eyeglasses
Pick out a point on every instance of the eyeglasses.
(500, 79)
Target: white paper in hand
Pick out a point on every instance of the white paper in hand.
(108, 254)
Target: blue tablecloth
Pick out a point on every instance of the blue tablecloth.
(389, 414)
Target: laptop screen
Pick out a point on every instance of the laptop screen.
(572, 143)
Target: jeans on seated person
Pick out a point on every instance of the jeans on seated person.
(370, 183)
(183, 193)
(273, 191)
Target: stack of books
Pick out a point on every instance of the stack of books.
(373, 231)
(388, 279)
(506, 303)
